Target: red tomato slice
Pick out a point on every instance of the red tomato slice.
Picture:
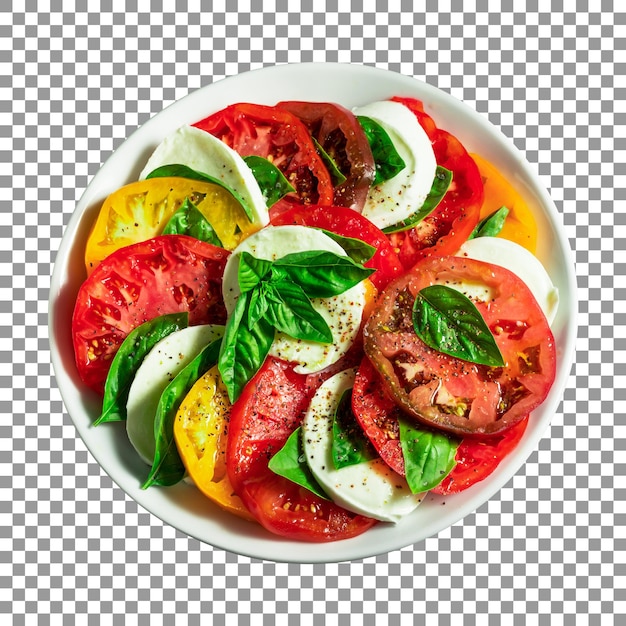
(378, 415)
(337, 130)
(275, 134)
(478, 458)
(166, 274)
(349, 223)
(449, 393)
(267, 412)
(450, 224)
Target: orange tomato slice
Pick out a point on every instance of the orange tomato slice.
(140, 210)
(520, 225)
(200, 432)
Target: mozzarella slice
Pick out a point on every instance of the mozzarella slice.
(521, 262)
(159, 367)
(342, 313)
(205, 153)
(371, 488)
(396, 199)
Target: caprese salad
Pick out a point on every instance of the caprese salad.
(316, 315)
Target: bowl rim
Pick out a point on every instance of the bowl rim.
(238, 536)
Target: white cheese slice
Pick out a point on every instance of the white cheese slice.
(394, 200)
(521, 262)
(342, 313)
(370, 488)
(205, 153)
(159, 367)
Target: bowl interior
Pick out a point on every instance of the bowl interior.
(182, 506)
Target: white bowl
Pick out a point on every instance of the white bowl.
(182, 506)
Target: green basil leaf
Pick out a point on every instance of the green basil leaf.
(331, 165)
(188, 220)
(251, 271)
(290, 463)
(386, 158)
(258, 304)
(448, 321)
(428, 456)
(441, 183)
(322, 274)
(290, 311)
(490, 225)
(168, 468)
(244, 347)
(183, 171)
(271, 180)
(127, 360)
(357, 250)
(350, 445)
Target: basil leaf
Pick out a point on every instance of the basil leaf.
(428, 456)
(188, 220)
(258, 305)
(182, 171)
(244, 347)
(350, 445)
(290, 463)
(448, 321)
(251, 271)
(322, 274)
(330, 163)
(271, 180)
(357, 250)
(290, 311)
(386, 158)
(490, 225)
(167, 468)
(127, 360)
(441, 183)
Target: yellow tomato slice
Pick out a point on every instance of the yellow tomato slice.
(140, 210)
(520, 225)
(200, 432)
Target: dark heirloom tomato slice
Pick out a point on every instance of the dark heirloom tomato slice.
(277, 135)
(339, 133)
(450, 224)
(476, 457)
(348, 223)
(270, 408)
(166, 274)
(450, 393)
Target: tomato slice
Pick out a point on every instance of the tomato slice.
(378, 415)
(140, 210)
(451, 223)
(520, 225)
(450, 393)
(267, 412)
(477, 458)
(201, 435)
(349, 223)
(166, 274)
(339, 133)
(277, 135)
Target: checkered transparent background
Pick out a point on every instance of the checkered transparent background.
(77, 78)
